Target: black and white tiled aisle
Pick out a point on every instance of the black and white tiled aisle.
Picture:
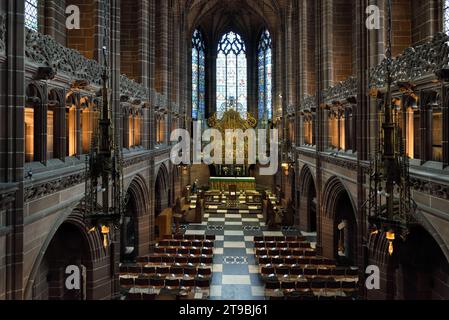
(235, 273)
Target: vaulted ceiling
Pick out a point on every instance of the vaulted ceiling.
(247, 17)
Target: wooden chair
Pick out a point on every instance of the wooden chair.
(187, 284)
(303, 286)
(207, 272)
(171, 250)
(134, 296)
(309, 272)
(289, 260)
(288, 285)
(142, 282)
(277, 260)
(282, 271)
(127, 283)
(324, 272)
(207, 260)
(135, 270)
(202, 283)
(267, 271)
(273, 285)
(207, 251)
(190, 271)
(178, 271)
(143, 260)
(303, 261)
(157, 282)
(155, 259)
(194, 259)
(181, 259)
(286, 253)
(310, 253)
(149, 270)
(175, 243)
(168, 259)
(296, 271)
(172, 284)
(318, 285)
(264, 260)
(162, 270)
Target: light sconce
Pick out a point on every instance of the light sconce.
(105, 232)
(391, 236)
(285, 166)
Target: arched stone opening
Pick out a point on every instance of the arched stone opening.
(161, 191)
(345, 230)
(135, 229)
(339, 224)
(422, 269)
(307, 201)
(71, 246)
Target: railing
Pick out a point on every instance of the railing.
(43, 50)
(414, 63)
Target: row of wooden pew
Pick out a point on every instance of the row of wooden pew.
(292, 270)
(180, 267)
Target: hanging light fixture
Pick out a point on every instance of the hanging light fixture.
(104, 165)
(390, 204)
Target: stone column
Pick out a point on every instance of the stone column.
(12, 149)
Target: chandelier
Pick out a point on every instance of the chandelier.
(104, 166)
(390, 204)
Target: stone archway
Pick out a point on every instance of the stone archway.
(162, 187)
(71, 245)
(307, 201)
(135, 235)
(422, 269)
(339, 223)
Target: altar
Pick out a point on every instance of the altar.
(241, 183)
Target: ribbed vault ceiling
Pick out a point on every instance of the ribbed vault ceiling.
(246, 17)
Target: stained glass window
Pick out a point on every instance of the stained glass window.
(265, 77)
(232, 77)
(446, 16)
(31, 14)
(198, 76)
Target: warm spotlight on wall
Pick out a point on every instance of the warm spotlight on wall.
(285, 166)
(105, 232)
(391, 236)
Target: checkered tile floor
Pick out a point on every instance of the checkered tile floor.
(235, 273)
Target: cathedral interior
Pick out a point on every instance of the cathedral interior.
(100, 200)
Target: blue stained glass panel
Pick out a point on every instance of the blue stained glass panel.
(265, 96)
(31, 17)
(198, 76)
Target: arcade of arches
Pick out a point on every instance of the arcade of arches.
(297, 66)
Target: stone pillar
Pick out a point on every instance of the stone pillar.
(12, 149)
(144, 43)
